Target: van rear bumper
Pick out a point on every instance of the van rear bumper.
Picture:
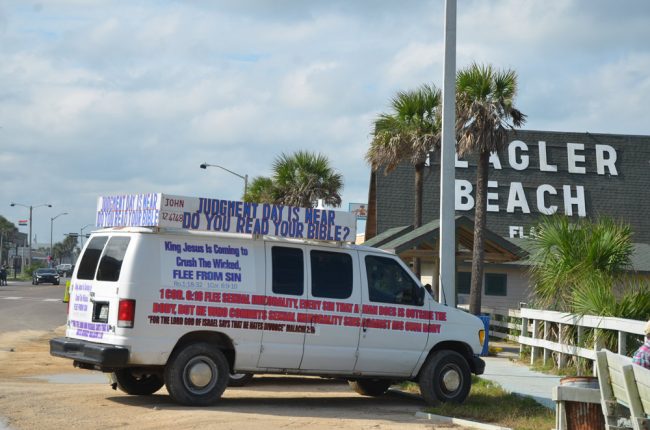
(90, 355)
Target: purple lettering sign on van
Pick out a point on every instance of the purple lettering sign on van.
(229, 216)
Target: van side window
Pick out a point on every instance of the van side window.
(111, 262)
(288, 268)
(331, 274)
(388, 282)
(89, 261)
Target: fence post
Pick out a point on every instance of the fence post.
(533, 350)
(523, 332)
(581, 362)
(598, 345)
(547, 334)
(622, 342)
(561, 332)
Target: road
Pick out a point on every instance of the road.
(24, 306)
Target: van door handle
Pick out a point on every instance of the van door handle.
(363, 325)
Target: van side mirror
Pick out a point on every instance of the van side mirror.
(429, 289)
(420, 296)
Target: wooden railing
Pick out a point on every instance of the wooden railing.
(548, 332)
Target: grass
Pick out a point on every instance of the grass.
(489, 403)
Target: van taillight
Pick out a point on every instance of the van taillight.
(126, 313)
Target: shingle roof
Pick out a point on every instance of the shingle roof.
(387, 236)
(428, 235)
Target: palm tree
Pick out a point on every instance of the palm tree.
(302, 178)
(408, 133)
(484, 113)
(260, 190)
(583, 268)
(573, 264)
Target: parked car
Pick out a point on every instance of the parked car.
(64, 269)
(44, 275)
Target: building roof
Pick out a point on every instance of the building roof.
(406, 241)
(388, 235)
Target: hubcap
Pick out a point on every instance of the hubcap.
(451, 380)
(200, 374)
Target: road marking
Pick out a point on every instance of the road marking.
(31, 299)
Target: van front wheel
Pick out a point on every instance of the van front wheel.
(445, 377)
(370, 387)
(197, 375)
(136, 382)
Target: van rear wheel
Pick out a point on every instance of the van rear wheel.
(370, 387)
(197, 375)
(135, 382)
(445, 377)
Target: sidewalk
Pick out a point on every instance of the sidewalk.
(519, 379)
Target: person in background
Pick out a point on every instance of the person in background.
(3, 275)
(642, 355)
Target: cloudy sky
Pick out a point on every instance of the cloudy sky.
(101, 97)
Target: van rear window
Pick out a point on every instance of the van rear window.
(111, 262)
(91, 257)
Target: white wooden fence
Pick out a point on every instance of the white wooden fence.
(547, 332)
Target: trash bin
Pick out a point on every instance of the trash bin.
(582, 415)
(486, 323)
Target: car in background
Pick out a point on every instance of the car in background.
(64, 269)
(45, 276)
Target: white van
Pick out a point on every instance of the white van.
(186, 308)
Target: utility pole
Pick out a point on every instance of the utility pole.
(447, 250)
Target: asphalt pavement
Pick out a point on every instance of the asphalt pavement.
(517, 378)
(24, 306)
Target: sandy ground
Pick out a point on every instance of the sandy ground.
(28, 400)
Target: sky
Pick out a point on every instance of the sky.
(112, 97)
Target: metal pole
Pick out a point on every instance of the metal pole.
(244, 177)
(51, 228)
(447, 250)
(30, 235)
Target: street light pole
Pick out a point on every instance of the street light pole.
(51, 230)
(31, 208)
(244, 177)
(81, 235)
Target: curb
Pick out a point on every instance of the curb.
(458, 421)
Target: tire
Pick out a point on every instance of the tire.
(370, 387)
(239, 379)
(34, 282)
(197, 375)
(137, 383)
(445, 378)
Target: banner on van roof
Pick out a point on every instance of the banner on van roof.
(228, 216)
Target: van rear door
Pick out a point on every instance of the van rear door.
(94, 300)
